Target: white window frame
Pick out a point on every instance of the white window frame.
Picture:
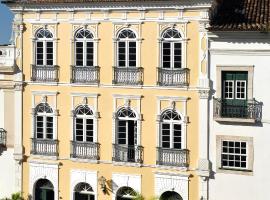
(127, 41)
(44, 115)
(171, 41)
(249, 153)
(234, 154)
(171, 122)
(126, 119)
(224, 89)
(84, 41)
(44, 41)
(84, 117)
(245, 93)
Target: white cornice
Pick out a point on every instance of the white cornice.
(251, 52)
(131, 6)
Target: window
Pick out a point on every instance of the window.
(126, 193)
(44, 121)
(84, 48)
(44, 190)
(44, 47)
(126, 127)
(127, 49)
(84, 124)
(83, 191)
(171, 130)
(171, 49)
(235, 153)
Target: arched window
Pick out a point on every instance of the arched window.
(127, 49)
(84, 48)
(44, 190)
(44, 121)
(171, 50)
(44, 47)
(170, 195)
(126, 193)
(83, 191)
(126, 127)
(171, 129)
(84, 124)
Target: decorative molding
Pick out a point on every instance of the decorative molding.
(126, 180)
(83, 176)
(204, 94)
(172, 182)
(47, 171)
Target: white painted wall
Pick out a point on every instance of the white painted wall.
(240, 52)
(7, 173)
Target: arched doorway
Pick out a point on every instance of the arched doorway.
(126, 193)
(170, 195)
(44, 190)
(83, 191)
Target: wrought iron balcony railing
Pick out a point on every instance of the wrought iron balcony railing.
(45, 73)
(172, 157)
(3, 137)
(128, 75)
(44, 147)
(128, 153)
(173, 77)
(85, 75)
(250, 110)
(85, 150)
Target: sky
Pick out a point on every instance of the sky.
(6, 18)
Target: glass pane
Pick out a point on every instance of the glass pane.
(121, 54)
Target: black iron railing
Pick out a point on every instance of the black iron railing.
(45, 147)
(173, 77)
(128, 153)
(128, 75)
(3, 137)
(85, 150)
(250, 109)
(45, 73)
(85, 75)
(172, 157)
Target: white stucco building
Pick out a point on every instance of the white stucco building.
(239, 125)
(10, 122)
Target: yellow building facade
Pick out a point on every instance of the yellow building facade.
(114, 99)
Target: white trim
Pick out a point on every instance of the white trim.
(173, 98)
(120, 96)
(83, 176)
(172, 182)
(125, 180)
(47, 93)
(78, 94)
(39, 170)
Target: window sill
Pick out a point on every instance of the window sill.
(44, 157)
(235, 171)
(235, 120)
(7, 69)
(166, 167)
(127, 164)
(81, 160)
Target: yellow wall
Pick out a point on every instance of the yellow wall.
(149, 61)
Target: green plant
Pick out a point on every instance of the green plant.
(16, 196)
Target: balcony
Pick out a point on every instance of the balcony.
(172, 157)
(129, 153)
(85, 75)
(173, 77)
(3, 137)
(7, 58)
(250, 112)
(85, 150)
(45, 73)
(44, 147)
(128, 75)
